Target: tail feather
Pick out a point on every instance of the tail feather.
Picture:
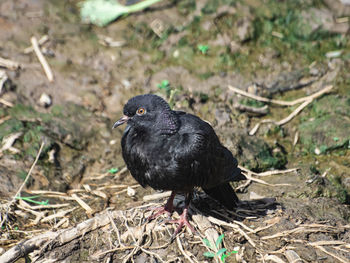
(224, 194)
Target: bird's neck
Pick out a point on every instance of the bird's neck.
(168, 122)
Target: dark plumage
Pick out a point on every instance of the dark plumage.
(173, 150)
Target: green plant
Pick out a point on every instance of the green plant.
(217, 252)
(113, 170)
(30, 199)
(203, 49)
(165, 86)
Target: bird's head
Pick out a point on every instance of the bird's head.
(150, 112)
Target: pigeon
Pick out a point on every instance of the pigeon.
(176, 151)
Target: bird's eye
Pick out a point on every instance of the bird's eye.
(140, 111)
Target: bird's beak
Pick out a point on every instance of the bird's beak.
(121, 121)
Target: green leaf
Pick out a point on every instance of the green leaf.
(30, 200)
(223, 256)
(206, 242)
(203, 49)
(102, 12)
(219, 240)
(209, 254)
(220, 251)
(232, 252)
(165, 83)
(113, 170)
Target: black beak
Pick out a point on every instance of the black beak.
(121, 121)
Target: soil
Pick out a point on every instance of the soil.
(274, 49)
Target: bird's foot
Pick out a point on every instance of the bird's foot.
(168, 208)
(157, 211)
(182, 221)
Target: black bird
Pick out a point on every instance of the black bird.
(177, 151)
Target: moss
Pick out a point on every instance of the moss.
(20, 111)
(252, 103)
(10, 126)
(21, 174)
(326, 125)
(186, 7)
(340, 190)
(210, 7)
(271, 160)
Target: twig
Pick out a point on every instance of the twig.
(301, 229)
(115, 228)
(283, 121)
(42, 59)
(37, 207)
(234, 226)
(99, 254)
(243, 186)
(267, 173)
(294, 113)
(41, 41)
(45, 192)
(331, 254)
(156, 196)
(61, 213)
(2, 120)
(281, 102)
(292, 256)
(327, 243)
(84, 205)
(3, 79)
(9, 64)
(61, 222)
(305, 101)
(296, 138)
(178, 242)
(262, 181)
(6, 103)
(23, 184)
(60, 237)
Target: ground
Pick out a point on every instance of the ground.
(189, 52)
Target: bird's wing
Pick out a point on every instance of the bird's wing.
(201, 160)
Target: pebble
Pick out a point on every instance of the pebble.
(317, 151)
(45, 100)
(176, 53)
(130, 191)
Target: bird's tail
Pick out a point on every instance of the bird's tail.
(224, 194)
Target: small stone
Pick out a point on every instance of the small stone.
(317, 151)
(112, 142)
(130, 191)
(176, 53)
(255, 196)
(52, 156)
(45, 100)
(126, 83)
(314, 71)
(252, 89)
(334, 54)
